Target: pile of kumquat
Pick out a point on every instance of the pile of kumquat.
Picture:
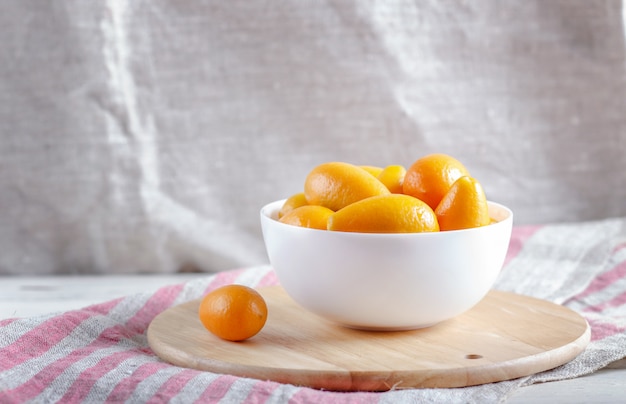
(436, 193)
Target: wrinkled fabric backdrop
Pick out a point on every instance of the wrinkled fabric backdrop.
(144, 136)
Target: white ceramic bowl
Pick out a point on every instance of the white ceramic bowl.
(386, 281)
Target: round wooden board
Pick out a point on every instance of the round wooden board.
(505, 336)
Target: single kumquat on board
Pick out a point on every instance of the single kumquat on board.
(233, 312)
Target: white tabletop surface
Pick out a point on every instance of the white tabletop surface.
(31, 296)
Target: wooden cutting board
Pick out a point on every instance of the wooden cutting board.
(505, 336)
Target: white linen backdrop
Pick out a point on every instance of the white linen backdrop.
(144, 136)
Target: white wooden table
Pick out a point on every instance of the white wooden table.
(31, 296)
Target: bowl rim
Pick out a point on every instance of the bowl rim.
(270, 210)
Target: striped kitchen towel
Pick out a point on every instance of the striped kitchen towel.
(100, 353)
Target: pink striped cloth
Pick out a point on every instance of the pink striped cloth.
(100, 353)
